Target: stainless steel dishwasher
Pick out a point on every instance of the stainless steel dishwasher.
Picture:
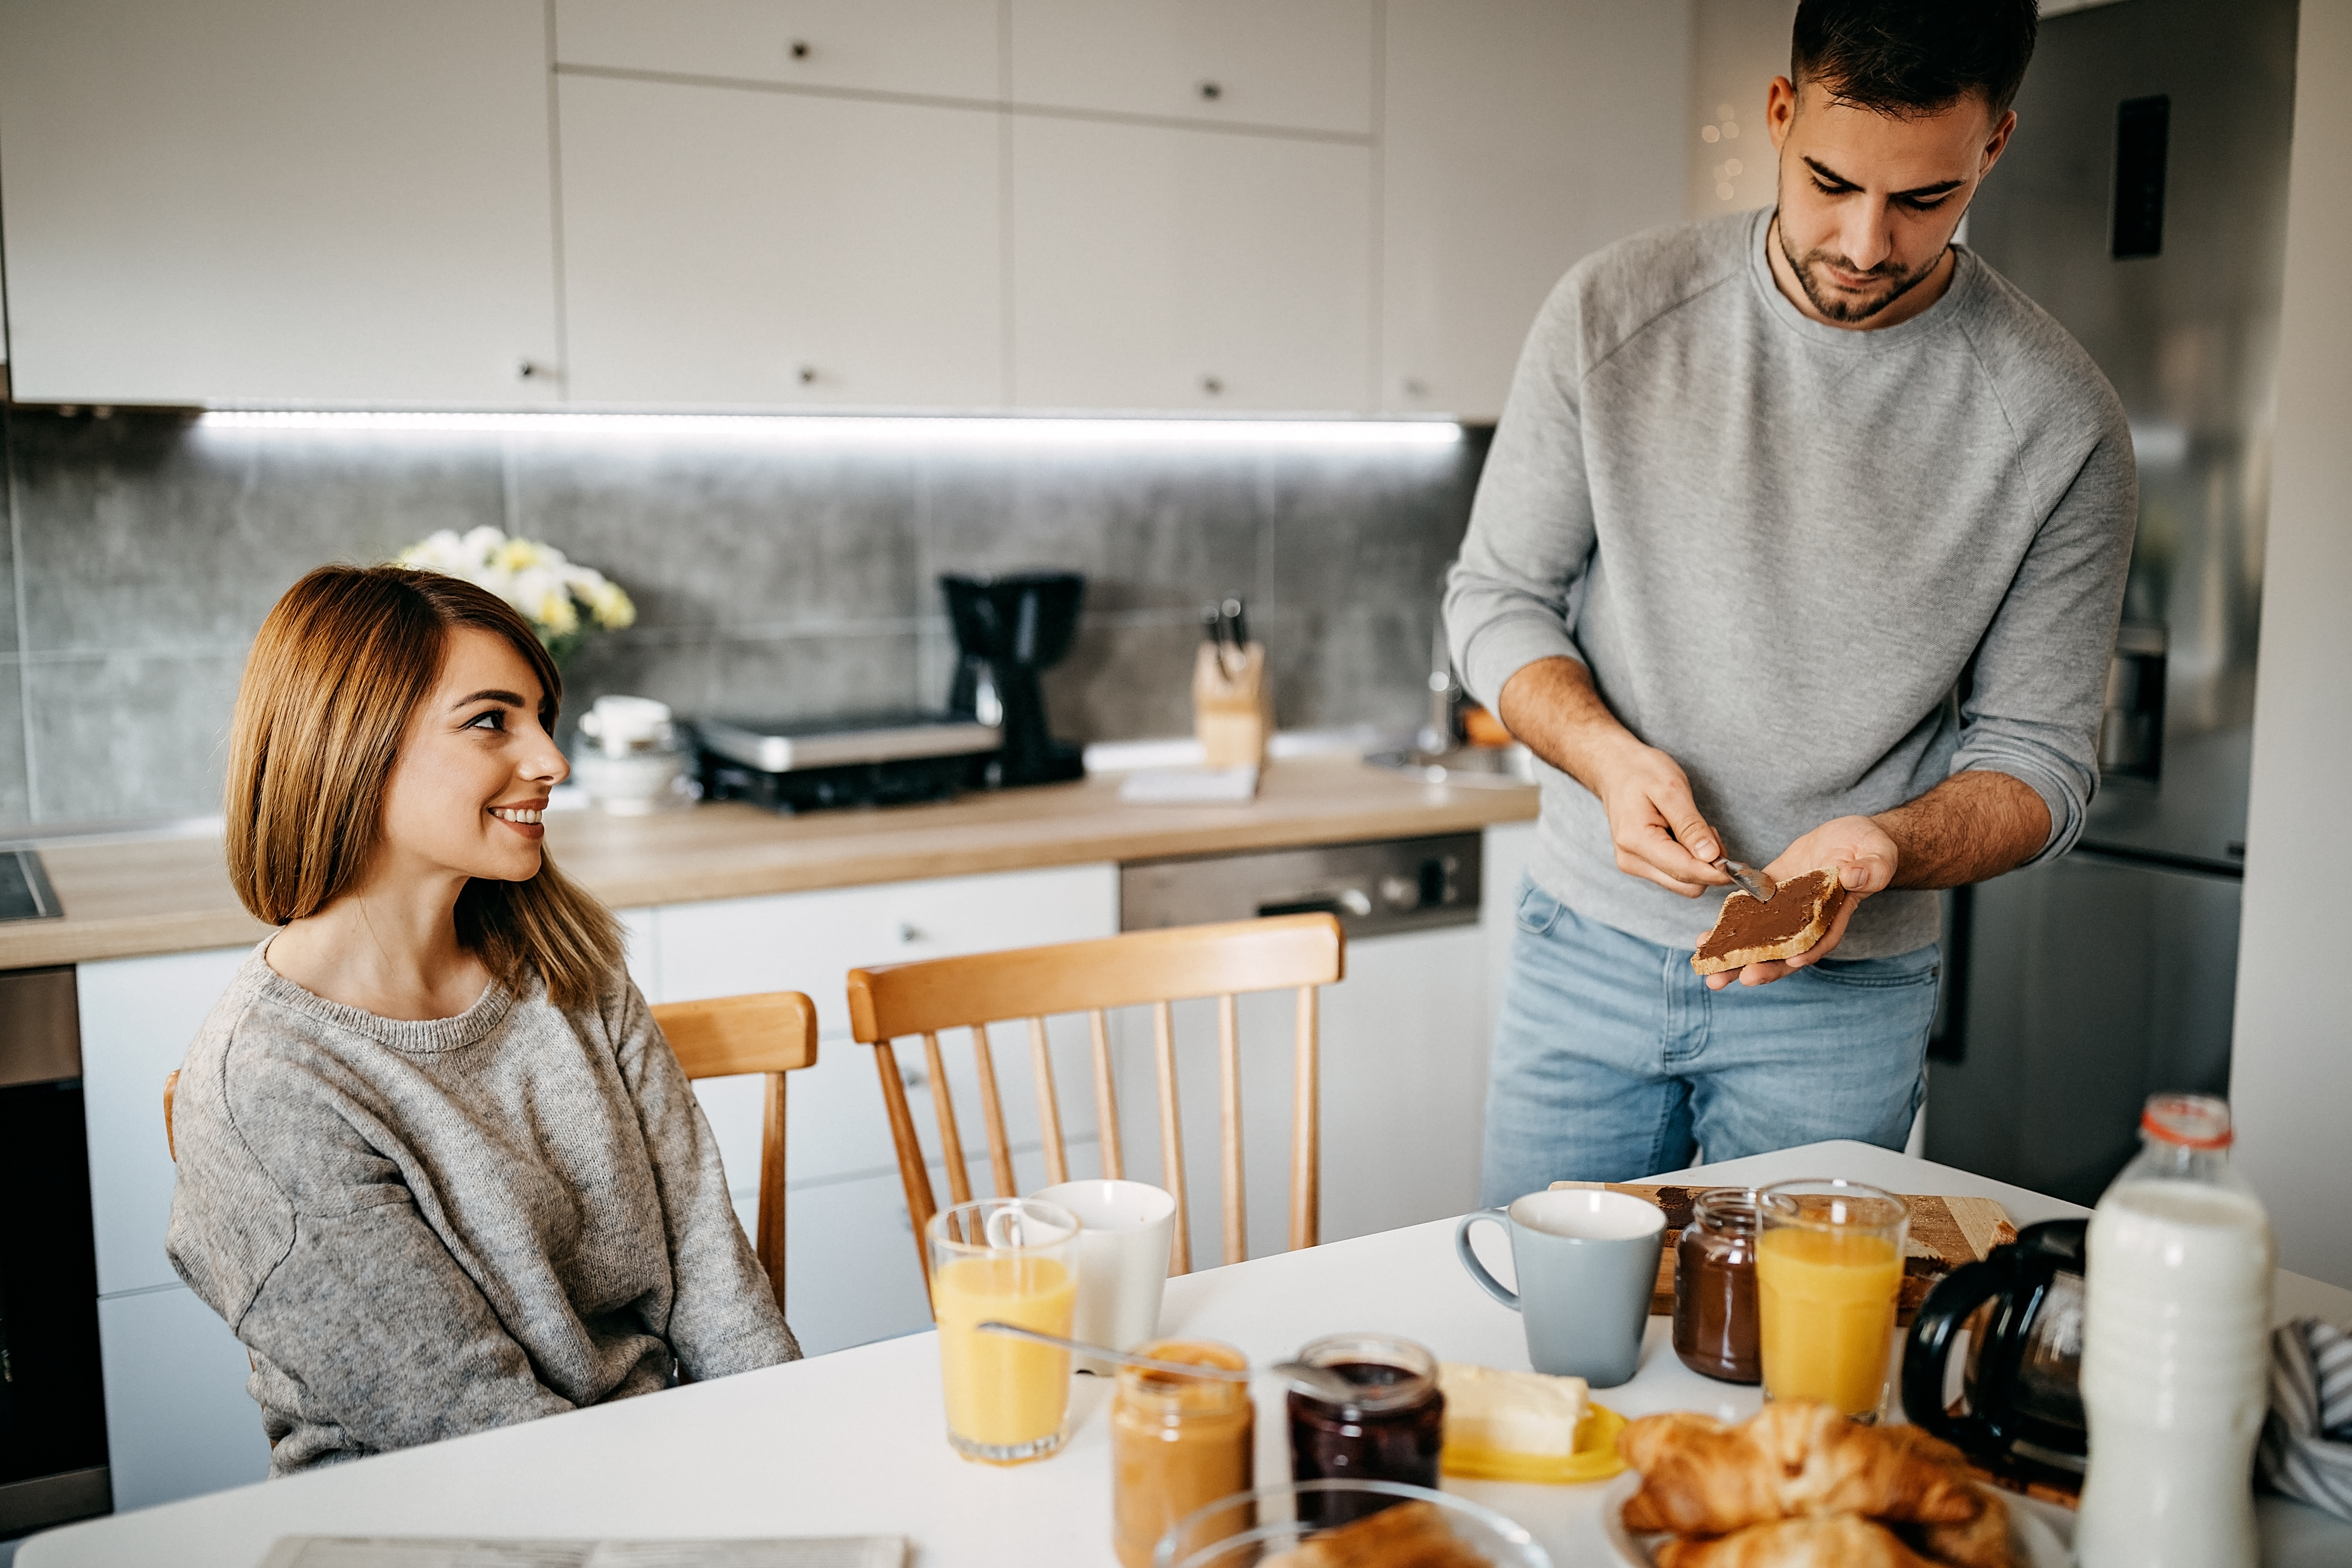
(1376, 888)
(1404, 1064)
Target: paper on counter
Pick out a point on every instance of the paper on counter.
(414, 1551)
(1190, 786)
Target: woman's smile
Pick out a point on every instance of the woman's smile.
(524, 818)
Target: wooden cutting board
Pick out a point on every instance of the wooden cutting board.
(1945, 1234)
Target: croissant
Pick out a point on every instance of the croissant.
(1827, 1540)
(1700, 1476)
(1407, 1535)
(1979, 1542)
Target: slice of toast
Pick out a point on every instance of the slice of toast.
(1749, 932)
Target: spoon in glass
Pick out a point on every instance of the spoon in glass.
(1321, 1382)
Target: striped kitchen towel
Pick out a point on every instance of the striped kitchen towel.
(2307, 1438)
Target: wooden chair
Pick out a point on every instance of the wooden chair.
(772, 1032)
(1154, 968)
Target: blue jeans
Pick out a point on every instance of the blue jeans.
(1613, 1060)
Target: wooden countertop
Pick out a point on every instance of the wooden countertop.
(125, 897)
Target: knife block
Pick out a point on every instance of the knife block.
(1233, 707)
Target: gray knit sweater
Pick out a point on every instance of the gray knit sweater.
(1778, 544)
(421, 1229)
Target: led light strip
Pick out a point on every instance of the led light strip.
(827, 429)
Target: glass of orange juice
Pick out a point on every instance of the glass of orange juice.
(1006, 1260)
(1829, 1269)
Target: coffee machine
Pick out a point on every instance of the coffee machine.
(1009, 628)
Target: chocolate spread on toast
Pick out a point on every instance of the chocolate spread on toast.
(1745, 923)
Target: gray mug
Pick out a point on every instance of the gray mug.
(1588, 1263)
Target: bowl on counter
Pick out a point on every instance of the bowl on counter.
(1253, 1527)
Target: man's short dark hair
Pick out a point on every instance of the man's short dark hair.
(1909, 57)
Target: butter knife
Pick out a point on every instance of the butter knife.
(1752, 882)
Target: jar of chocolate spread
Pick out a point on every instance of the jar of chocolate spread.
(1714, 1287)
(1391, 1431)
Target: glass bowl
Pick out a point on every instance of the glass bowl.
(1250, 1526)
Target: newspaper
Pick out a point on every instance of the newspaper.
(416, 1551)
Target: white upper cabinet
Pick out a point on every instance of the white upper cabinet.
(1303, 63)
(727, 246)
(1187, 269)
(941, 47)
(1518, 135)
(277, 201)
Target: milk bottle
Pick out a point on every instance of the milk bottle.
(2176, 1323)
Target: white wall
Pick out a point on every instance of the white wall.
(1738, 46)
(2291, 1076)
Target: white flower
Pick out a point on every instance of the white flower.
(537, 579)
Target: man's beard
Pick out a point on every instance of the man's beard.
(1832, 305)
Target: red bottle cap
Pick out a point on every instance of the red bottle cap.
(2190, 1121)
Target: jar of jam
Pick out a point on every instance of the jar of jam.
(1392, 1432)
(1177, 1443)
(1715, 1323)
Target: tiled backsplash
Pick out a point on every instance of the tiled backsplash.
(772, 578)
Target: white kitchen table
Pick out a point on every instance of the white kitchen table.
(853, 1442)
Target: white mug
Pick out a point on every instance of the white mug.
(1126, 1231)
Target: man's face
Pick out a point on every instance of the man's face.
(1869, 202)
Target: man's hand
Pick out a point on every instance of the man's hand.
(1865, 858)
(1973, 826)
(1653, 821)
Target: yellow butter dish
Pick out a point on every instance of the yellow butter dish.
(1594, 1458)
(1525, 1427)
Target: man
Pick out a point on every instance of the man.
(1802, 539)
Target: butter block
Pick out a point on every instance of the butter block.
(1512, 1411)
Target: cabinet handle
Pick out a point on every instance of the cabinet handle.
(1211, 91)
(1211, 385)
(908, 933)
(799, 49)
(807, 373)
(1414, 386)
(533, 370)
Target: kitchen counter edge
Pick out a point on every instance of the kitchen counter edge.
(138, 897)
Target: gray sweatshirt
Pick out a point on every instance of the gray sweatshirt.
(424, 1229)
(1778, 545)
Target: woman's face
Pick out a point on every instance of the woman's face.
(475, 768)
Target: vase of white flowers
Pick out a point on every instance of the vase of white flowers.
(559, 597)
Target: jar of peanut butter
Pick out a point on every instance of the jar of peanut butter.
(1177, 1443)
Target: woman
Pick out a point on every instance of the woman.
(437, 1167)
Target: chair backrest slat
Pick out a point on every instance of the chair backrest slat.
(769, 1033)
(724, 1035)
(992, 1114)
(1106, 1096)
(912, 1176)
(900, 999)
(1172, 1134)
(1049, 1109)
(1157, 968)
(950, 1136)
(1229, 1087)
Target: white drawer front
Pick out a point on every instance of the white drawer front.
(943, 48)
(810, 941)
(138, 1018)
(1304, 64)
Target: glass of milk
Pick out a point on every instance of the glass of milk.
(2176, 1350)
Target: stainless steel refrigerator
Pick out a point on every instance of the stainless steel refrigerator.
(2142, 202)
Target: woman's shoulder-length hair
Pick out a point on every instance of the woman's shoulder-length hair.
(339, 665)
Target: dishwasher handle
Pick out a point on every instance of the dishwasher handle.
(1344, 903)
